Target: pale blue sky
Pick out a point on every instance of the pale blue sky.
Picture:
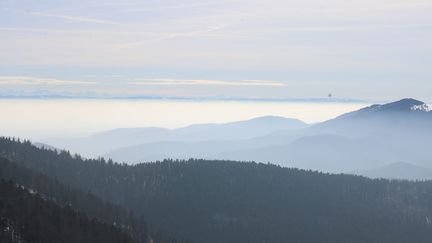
(362, 49)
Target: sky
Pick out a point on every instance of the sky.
(254, 49)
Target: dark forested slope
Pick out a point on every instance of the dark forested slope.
(26, 217)
(54, 191)
(85, 204)
(224, 201)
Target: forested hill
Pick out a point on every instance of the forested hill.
(26, 217)
(225, 201)
(120, 224)
(86, 203)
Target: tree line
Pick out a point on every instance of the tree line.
(225, 201)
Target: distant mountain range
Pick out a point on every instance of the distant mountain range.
(50, 94)
(369, 138)
(362, 140)
(101, 143)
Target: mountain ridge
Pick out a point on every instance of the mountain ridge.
(104, 142)
(407, 105)
(360, 140)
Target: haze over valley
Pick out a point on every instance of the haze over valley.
(361, 140)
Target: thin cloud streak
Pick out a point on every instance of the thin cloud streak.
(171, 36)
(167, 81)
(23, 80)
(72, 18)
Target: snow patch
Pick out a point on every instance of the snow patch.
(422, 107)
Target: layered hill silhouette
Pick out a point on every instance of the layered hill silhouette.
(362, 140)
(101, 143)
